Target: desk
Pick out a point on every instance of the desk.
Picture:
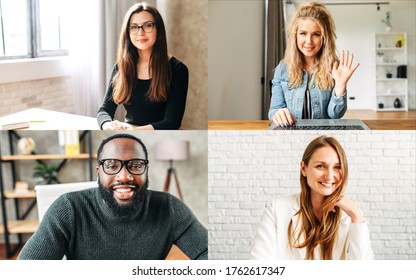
(373, 115)
(374, 120)
(41, 119)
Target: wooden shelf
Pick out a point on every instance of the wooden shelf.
(390, 63)
(29, 194)
(391, 79)
(391, 109)
(390, 95)
(390, 49)
(45, 157)
(27, 226)
(21, 226)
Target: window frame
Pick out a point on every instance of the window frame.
(33, 35)
(37, 37)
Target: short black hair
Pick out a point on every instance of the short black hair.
(120, 135)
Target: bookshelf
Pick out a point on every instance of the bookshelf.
(391, 89)
(20, 224)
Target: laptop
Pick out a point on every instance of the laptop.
(326, 124)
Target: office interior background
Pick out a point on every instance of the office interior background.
(236, 63)
(191, 173)
(76, 83)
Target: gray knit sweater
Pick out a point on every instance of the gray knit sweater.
(80, 226)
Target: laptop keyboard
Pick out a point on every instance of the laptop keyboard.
(320, 127)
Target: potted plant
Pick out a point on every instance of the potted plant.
(387, 22)
(46, 173)
(389, 74)
(380, 57)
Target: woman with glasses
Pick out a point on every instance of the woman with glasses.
(151, 84)
(310, 83)
(321, 222)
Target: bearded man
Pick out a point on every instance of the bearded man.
(119, 220)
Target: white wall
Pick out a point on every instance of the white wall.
(235, 59)
(355, 25)
(247, 169)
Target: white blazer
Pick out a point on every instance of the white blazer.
(353, 242)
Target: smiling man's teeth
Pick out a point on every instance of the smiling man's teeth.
(123, 190)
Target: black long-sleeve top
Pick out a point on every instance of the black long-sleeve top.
(142, 111)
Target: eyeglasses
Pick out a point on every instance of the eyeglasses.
(147, 27)
(135, 166)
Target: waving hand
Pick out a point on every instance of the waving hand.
(342, 71)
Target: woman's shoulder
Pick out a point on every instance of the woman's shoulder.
(282, 64)
(177, 65)
(286, 201)
(115, 69)
(280, 69)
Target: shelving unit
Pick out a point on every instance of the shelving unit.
(389, 55)
(21, 225)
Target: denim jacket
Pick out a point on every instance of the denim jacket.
(324, 103)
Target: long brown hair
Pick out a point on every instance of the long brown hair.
(325, 58)
(128, 58)
(316, 232)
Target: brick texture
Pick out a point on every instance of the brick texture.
(247, 169)
(52, 94)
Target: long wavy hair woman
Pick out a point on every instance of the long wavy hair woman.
(310, 82)
(150, 83)
(321, 222)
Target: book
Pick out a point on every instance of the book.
(71, 140)
(21, 187)
(18, 125)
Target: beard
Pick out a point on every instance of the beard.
(107, 193)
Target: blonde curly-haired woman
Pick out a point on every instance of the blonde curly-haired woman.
(310, 83)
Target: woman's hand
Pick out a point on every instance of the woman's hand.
(144, 127)
(116, 125)
(342, 72)
(283, 117)
(346, 204)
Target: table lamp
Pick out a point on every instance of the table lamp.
(172, 150)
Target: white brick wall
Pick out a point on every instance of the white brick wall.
(53, 94)
(246, 169)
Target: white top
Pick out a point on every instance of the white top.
(271, 242)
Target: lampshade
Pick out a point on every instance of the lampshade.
(171, 150)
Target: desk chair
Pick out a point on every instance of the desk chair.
(47, 194)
